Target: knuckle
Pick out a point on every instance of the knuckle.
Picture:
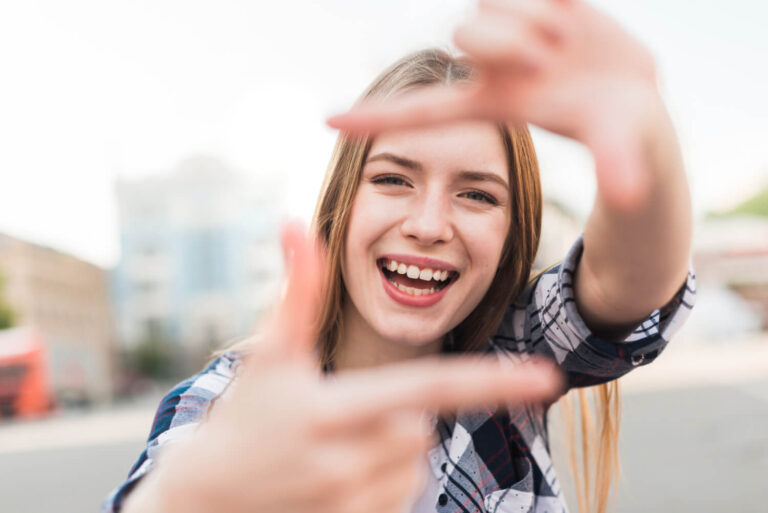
(432, 391)
(340, 478)
(359, 502)
(316, 489)
(413, 475)
(414, 441)
(314, 416)
(325, 481)
(356, 463)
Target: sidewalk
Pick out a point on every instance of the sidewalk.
(98, 427)
(680, 366)
(692, 365)
(694, 431)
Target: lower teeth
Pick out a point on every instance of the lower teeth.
(413, 291)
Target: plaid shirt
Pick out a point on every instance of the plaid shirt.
(492, 460)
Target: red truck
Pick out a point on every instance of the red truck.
(24, 380)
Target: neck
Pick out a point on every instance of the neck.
(361, 346)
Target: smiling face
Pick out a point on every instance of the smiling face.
(426, 231)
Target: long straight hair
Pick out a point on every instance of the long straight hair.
(424, 68)
(331, 219)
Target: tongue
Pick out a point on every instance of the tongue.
(404, 280)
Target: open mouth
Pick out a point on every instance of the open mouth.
(414, 280)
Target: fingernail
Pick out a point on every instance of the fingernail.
(333, 121)
(547, 375)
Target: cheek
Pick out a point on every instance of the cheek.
(354, 240)
(485, 248)
(370, 211)
(370, 219)
(362, 230)
(486, 242)
(351, 254)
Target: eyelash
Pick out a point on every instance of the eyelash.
(484, 196)
(388, 180)
(396, 180)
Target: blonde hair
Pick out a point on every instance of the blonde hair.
(431, 67)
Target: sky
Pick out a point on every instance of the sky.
(96, 90)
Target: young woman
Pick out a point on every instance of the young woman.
(429, 223)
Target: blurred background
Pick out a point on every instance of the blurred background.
(149, 150)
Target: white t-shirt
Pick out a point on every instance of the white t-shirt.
(428, 498)
(425, 503)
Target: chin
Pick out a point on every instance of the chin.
(414, 336)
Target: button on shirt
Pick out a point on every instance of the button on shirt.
(487, 460)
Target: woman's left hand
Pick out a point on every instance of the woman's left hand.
(558, 64)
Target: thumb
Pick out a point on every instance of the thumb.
(295, 326)
(620, 164)
(292, 328)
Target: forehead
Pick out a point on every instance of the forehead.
(461, 145)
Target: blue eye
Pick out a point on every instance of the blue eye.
(481, 196)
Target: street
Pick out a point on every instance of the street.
(685, 448)
(703, 450)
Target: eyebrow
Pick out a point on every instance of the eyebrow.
(482, 176)
(472, 176)
(395, 159)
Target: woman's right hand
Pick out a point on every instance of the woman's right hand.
(285, 439)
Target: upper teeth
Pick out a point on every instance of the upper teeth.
(416, 272)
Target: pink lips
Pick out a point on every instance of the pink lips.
(409, 300)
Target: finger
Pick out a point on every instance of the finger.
(384, 440)
(547, 18)
(352, 465)
(437, 384)
(392, 490)
(622, 178)
(298, 314)
(504, 41)
(292, 329)
(377, 446)
(423, 107)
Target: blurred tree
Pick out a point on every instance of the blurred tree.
(7, 315)
(152, 357)
(756, 205)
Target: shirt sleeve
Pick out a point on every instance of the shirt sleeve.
(546, 322)
(179, 413)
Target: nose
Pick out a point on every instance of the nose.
(428, 219)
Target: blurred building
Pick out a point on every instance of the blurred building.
(199, 256)
(66, 300)
(730, 258)
(731, 261)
